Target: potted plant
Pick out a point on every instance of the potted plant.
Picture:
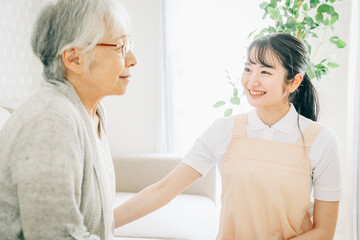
(311, 21)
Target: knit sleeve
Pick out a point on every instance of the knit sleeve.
(47, 168)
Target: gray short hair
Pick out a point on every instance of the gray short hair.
(74, 23)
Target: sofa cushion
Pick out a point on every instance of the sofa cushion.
(185, 217)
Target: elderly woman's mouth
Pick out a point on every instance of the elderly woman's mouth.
(126, 77)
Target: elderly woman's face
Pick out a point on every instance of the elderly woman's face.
(110, 72)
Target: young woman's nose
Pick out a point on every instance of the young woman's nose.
(253, 80)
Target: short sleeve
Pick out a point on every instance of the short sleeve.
(209, 149)
(327, 169)
(47, 168)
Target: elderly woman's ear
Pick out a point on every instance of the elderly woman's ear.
(73, 60)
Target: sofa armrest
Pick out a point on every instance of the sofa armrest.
(135, 172)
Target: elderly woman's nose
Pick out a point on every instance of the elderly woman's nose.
(130, 59)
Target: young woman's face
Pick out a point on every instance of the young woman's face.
(265, 85)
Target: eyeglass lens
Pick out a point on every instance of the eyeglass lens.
(127, 47)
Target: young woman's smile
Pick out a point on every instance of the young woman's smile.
(264, 84)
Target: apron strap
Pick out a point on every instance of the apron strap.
(240, 123)
(310, 134)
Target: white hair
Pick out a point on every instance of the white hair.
(75, 23)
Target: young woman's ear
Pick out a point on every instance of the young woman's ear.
(296, 83)
(72, 59)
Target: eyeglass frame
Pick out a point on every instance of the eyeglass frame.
(119, 46)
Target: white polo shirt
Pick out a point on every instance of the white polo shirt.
(4, 115)
(325, 172)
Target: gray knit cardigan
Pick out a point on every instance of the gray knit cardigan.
(52, 179)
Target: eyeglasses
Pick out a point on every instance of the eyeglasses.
(125, 48)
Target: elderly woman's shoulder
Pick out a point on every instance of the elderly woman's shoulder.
(45, 105)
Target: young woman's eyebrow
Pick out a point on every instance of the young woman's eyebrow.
(261, 65)
(267, 66)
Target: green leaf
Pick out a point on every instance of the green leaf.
(332, 1)
(219, 104)
(314, 35)
(334, 39)
(235, 92)
(273, 3)
(319, 66)
(251, 33)
(322, 61)
(228, 112)
(319, 17)
(235, 100)
(314, 3)
(310, 73)
(300, 26)
(337, 41)
(305, 6)
(290, 23)
(334, 17)
(271, 29)
(309, 21)
(333, 65)
(290, 30)
(308, 46)
(270, 10)
(258, 36)
(340, 44)
(326, 22)
(287, 3)
(325, 8)
(264, 16)
(264, 30)
(263, 5)
(297, 14)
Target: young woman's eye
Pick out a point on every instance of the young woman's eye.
(265, 72)
(246, 69)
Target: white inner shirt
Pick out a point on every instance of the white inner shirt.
(325, 172)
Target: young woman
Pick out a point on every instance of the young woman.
(270, 159)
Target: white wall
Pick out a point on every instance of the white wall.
(333, 94)
(135, 118)
(20, 70)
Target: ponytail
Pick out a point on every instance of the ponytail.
(305, 99)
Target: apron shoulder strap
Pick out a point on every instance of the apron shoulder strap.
(240, 123)
(310, 134)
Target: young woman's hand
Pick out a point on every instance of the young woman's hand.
(307, 223)
(325, 219)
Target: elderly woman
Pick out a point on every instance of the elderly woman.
(56, 173)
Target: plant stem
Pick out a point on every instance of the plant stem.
(297, 10)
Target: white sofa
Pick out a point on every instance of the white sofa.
(191, 215)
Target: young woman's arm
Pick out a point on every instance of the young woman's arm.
(156, 195)
(325, 218)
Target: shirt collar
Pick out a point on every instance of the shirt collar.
(283, 125)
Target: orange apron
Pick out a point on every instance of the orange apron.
(265, 186)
